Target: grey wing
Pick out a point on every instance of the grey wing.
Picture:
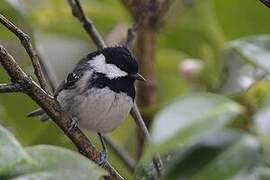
(71, 79)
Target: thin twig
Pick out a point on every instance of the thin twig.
(25, 40)
(140, 123)
(91, 30)
(12, 87)
(125, 158)
(78, 12)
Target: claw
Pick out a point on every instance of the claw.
(73, 124)
(103, 154)
(103, 158)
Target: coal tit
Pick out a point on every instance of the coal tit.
(99, 93)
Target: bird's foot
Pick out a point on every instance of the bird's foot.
(73, 124)
(103, 158)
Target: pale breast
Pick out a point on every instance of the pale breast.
(99, 110)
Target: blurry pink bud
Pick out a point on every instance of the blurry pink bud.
(190, 68)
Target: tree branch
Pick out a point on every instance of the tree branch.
(140, 123)
(50, 105)
(25, 40)
(87, 24)
(12, 87)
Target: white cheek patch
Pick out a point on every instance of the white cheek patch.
(110, 70)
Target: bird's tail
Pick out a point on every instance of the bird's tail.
(39, 112)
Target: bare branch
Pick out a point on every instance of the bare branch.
(12, 87)
(91, 30)
(140, 123)
(25, 40)
(53, 109)
(130, 163)
(266, 2)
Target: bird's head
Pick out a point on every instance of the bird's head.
(115, 63)
(114, 68)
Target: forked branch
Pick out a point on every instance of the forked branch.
(25, 40)
(48, 103)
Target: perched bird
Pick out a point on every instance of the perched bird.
(99, 93)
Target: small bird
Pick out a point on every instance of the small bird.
(99, 93)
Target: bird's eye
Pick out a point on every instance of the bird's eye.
(72, 78)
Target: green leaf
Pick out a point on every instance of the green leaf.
(57, 163)
(241, 18)
(43, 162)
(192, 117)
(222, 155)
(256, 50)
(13, 158)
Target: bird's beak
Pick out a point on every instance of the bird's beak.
(137, 76)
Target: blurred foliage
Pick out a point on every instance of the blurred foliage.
(217, 157)
(42, 162)
(185, 124)
(222, 133)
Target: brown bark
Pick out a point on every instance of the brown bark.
(147, 16)
(145, 49)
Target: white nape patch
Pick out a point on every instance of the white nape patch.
(110, 70)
